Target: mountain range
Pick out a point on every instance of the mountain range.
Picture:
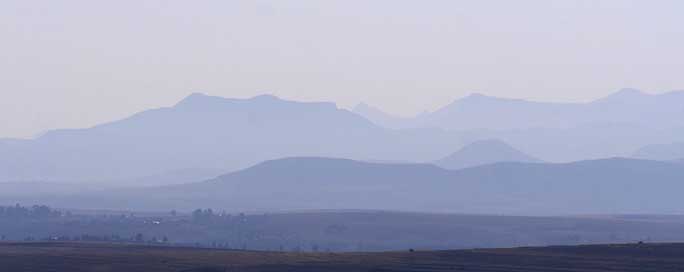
(218, 134)
(199, 132)
(477, 111)
(607, 186)
(616, 125)
(207, 132)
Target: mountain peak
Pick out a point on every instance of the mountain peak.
(378, 116)
(624, 94)
(484, 152)
(201, 100)
(489, 143)
(197, 99)
(196, 95)
(476, 96)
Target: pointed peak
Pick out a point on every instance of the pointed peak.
(479, 97)
(473, 96)
(197, 94)
(486, 151)
(627, 92)
(476, 98)
(196, 98)
(624, 94)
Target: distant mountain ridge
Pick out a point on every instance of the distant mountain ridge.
(612, 126)
(484, 152)
(608, 186)
(198, 132)
(379, 117)
(477, 111)
(208, 132)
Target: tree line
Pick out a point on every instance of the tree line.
(35, 211)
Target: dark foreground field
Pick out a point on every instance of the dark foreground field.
(37, 257)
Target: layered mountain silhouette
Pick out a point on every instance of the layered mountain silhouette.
(597, 186)
(477, 111)
(207, 132)
(484, 152)
(615, 125)
(199, 132)
(662, 152)
(381, 118)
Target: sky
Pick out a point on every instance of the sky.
(71, 64)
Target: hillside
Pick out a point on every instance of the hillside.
(334, 230)
(484, 152)
(606, 186)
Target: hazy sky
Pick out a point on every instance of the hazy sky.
(78, 63)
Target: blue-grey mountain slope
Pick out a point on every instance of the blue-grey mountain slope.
(199, 132)
(484, 152)
(627, 106)
(605, 186)
(381, 118)
(206, 132)
(612, 126)
(482, 112)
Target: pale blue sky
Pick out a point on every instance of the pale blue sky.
(78, 63)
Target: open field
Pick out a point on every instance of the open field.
(337, 231)
(38, 257)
